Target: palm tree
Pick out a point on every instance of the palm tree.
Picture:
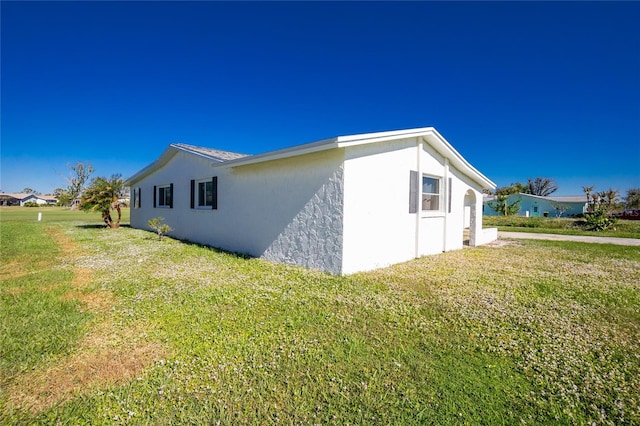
(612, 196)
(102, 195)
(588, 190)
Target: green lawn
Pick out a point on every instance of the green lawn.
(567, 226)
(112, 326)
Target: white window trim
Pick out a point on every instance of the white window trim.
(196, 202)
(440, 211)
(136, 197)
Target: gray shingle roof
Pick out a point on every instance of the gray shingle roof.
(570, 199)
(209, 152)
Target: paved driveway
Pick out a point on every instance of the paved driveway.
(580, 238)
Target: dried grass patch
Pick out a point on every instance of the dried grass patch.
(81, 277)
(14, 291)
(67, 246)
(12, 270)
(107, 356)
(95, 301)
(110, 354)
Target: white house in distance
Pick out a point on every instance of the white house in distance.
(342, 205)
(20, 199)
(536, 205)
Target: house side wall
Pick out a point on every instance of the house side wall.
(539, 207)
(178, 171)
(433, 225)
(467, 193)
(298, 213)
(288, 210)
(29, 199)
(379, 229)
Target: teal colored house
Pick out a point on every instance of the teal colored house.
(535, 205)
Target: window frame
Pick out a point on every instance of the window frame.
(438, 195)
(136, 197)
(160, 195)
(196, 201)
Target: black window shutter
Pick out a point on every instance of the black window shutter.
(171, 198)
(155, 195)
(413, 191)
(139, 198)
(214, 195)
(193, 190)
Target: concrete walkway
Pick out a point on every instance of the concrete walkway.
(580, 238)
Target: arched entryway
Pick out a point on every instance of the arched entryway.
(469, 219)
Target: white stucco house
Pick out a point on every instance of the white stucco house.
(343, 205)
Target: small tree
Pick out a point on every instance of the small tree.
(559, 208)
(64, 199)
(160, 228)
(502, 206)
(102, 195)
(514, 188)
(77, 180)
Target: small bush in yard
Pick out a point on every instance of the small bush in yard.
(600, 206)
(160, 228)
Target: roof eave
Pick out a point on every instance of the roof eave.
(444, 148)
(164, 158)
(429, 133)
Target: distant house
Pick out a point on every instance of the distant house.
(346, 204)
(20, 199)
(15, 198)
(49, 199)
(535, 205)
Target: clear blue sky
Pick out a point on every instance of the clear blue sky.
(520, 89)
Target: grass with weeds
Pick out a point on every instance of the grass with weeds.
(566, 226)
(532, 332)
(31, 302)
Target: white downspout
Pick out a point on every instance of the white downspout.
(419, 148)
(445, 203)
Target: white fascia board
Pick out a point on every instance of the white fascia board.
(294, 151)
(353, 140)
(325, 144)
(442, 146)
(433, 138)
(141, 174)
(164, 158)
(430, 134)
